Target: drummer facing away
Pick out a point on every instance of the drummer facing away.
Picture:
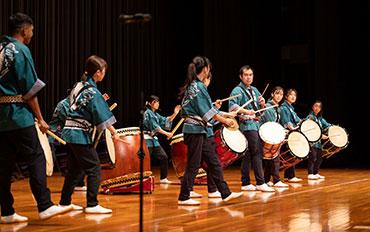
(249, 125)
(198, 110)
(87, 108)
(19, 86)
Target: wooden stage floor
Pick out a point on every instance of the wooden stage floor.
(340, 203)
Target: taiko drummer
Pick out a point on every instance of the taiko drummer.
(87, 108)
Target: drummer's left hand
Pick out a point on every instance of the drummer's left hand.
(218, 103)
(262, 101)
(324, 136)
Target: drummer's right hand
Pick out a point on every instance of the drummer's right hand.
(229, 122)
(169, 135)
(324, 136)
(250, 112)
(43, 126)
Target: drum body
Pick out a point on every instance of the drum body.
(47, 151)
(122, 166)
(337, 141)
(272, 135)
(311, 130)
(230, 145)
(179, 152)
(294, 150)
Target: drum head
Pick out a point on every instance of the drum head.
(272, 133)
(311, 130)
(177, 138)
(110, 146)
(47, 151)
(234, 139)
(298, 144)
(338, 136)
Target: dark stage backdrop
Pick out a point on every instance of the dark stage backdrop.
(317, 47)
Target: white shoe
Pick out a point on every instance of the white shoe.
(74, 207)
(165, 181)
(216, 194)
(53, 211)
(195, 195)
(281, 185)
(320, 176)
(80, 189)
(264, 188)
(249, 187)
(97, 210)
(270, 184)
(312, 177)
(295, 180)
(188, 202)
(13, 219)
(233, 196)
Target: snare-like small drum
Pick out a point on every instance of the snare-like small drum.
(47, 151)
(230, 145)
(179, 152)
(337, 141)
(273, 136)
(311, 130)
(294, 151)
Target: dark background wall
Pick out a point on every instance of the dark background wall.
(321, 48)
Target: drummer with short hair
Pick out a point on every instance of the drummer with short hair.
(290, 120)
(272, 166)
(155, 124)
(315, 156)
(249, 125)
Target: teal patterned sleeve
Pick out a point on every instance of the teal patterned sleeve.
(25, 72)
(102, 117)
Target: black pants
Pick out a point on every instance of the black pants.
(22, 143)
(314, 161)
(202, 148)
(160, 154)
(289, 173)
(82, 160)
(272, 169)
(254, 156)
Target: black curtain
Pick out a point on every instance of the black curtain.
(320, 48)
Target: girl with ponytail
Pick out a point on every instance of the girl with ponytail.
(198, 110)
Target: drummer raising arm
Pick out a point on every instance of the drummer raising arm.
(249, 125)
(315, 156)
(153, 124)
(290, 120)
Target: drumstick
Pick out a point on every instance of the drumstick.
(176, 127)
(269, 107)
(114, 105)
(229, 98)
(241, 107)
(56, 137)
(265, 89)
